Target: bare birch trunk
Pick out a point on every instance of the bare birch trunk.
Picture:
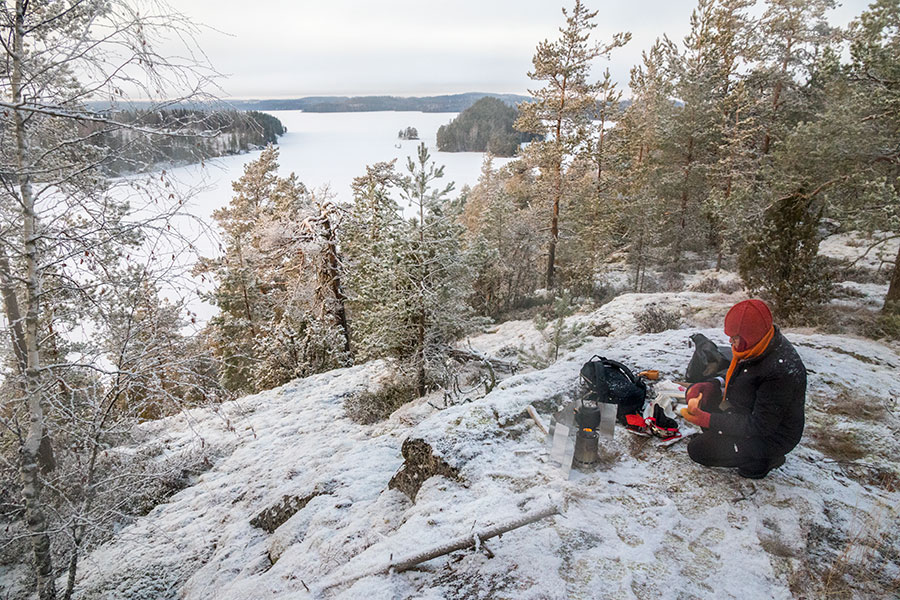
(31, 480)
(13, 314)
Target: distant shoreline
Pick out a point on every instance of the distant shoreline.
(325, 104)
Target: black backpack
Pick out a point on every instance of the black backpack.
(708, 360)
(612, 382)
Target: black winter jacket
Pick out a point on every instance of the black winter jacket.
(766, 398)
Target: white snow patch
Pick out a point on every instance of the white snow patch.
(858, 247)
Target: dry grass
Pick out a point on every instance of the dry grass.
(858, 570)
(853, 406)
(837, 445)
(711, 285)
(377, 405)
(653, 319)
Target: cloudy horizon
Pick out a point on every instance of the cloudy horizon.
(411, 48)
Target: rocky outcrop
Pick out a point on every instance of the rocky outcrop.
(421, 463)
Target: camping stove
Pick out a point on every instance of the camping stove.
(586, 445)
(586, 439)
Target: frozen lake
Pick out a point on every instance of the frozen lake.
(329, 150)
(326, 151)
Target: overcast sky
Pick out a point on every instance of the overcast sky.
(276, 49)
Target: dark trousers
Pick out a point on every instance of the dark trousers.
(712, 449)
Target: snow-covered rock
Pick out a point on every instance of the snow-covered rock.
(652, 525)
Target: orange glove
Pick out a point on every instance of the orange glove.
(694, 403)
(708, 389)
(694, 414)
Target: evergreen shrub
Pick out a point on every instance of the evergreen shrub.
(782, 263)
(712, 285)
(377, 405)
(653, 319)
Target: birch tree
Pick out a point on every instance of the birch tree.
(59, 220)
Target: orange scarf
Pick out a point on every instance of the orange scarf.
(753, 352)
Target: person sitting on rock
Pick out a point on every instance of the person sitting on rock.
(758, 417)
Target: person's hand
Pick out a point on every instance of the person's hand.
(709, 390)
(694, 403)
(697, 417)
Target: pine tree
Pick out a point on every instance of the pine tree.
(371, 243)
(434, 276)
(562, 108)
(640, 136)
(729, 206)
(792, 33)
(502, 241)
(693, 138)
(593, 182)
(407, 279)
(278, 285)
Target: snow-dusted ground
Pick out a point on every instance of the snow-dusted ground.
(870, 252)
(650, 525)
(874, 254)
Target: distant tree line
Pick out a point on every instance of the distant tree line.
(182, 136)
(410, 133)
(448, 103)
(486, 126)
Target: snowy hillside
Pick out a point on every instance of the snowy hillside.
(651, 524)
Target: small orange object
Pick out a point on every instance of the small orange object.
(652, 375)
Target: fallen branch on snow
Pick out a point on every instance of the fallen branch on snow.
(536, 419)
(467, 541)
(473, 355)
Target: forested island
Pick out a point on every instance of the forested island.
(182, 135)
(486, 126)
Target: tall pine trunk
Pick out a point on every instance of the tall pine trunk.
(554, 228)
(29, 472)
(333, 279)
(557, 189)
(892, 299)
(685, 197)
(421, 317)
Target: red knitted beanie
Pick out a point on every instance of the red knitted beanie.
(751, 320)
